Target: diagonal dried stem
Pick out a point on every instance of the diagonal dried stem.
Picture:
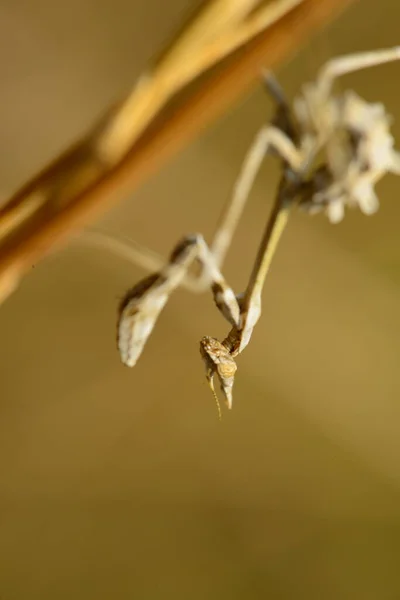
(219, 28)
(81, 184)
(218, 31)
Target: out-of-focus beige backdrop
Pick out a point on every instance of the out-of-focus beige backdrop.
(118, 483)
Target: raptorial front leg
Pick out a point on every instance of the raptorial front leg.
(219, 356)
(141, 306)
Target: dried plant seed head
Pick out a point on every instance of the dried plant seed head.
(349, 137)
(218, 361)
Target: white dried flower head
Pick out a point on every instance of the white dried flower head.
(349, 137)
(358, 152)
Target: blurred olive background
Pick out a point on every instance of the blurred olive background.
(118, 483)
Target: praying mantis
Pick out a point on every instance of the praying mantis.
(333, 149)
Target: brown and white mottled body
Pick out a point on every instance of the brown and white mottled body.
(354, 146)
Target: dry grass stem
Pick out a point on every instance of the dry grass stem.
(117, 156)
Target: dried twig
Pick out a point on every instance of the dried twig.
(85, 180)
